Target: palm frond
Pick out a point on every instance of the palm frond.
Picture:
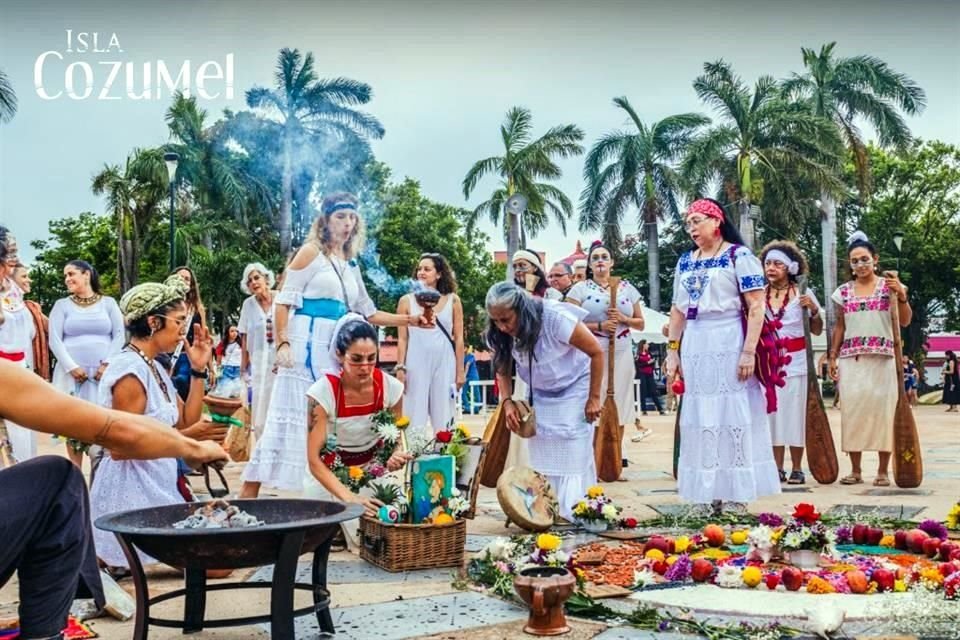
(493, 164)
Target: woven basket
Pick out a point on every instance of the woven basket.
(406, 547)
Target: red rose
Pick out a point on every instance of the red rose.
(805, 513)
(444, 436)
(630, 523)
(329, 458)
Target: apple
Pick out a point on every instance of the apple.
(857, 580)
(955, 554)
(714, 534)
(884, 579)
(915, 538)
(931, 547)
(900, 540)
(874, 536)
(701, 570)
(657, 542)
(660, 567)
(678, 387)
(947, 568)
(771, 580)
(946, 547)
(792, 578)
(860, 533)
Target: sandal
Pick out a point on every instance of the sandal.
(853, 478)
(797, 477)
(783, 475)
(881, 481)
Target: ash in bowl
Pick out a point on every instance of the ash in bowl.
(219, 514)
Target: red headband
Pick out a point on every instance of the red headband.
(706, 208)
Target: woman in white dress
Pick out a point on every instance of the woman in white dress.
(725, 450)
(563, 375)
(340, 408)
(17, 332)
(783, 263)
(321, 285)
(156, 316)
(86, 329)
(256, 331)
(430, 361)
(593, 294)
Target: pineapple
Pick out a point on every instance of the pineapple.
(387, 493)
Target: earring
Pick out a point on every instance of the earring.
(716, 232)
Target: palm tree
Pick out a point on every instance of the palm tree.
(314, 118)
(134, 194)
(522, 167)
(637, 168)
(843, 90)
(8, 99)
(764, 143)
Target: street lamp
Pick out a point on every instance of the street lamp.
(898, 243)
(171, 159)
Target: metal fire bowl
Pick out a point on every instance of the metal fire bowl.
(151, 530)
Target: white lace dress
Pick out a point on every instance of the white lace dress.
(315, 297)
(122, 485)
(562, 450)
(725, 448)
(253, 324)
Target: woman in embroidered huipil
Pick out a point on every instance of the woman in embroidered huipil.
(321, 284)
(593, 294)
(725, 450)
(861, 355)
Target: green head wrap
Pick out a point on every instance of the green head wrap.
(149, 296)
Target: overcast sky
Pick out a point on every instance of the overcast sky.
(444, 73)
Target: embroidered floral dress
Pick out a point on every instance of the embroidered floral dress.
(868, 375)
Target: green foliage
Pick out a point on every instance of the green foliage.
(8, 99)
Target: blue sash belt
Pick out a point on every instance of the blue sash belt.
(328, 308)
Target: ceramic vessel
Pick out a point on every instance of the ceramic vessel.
(595, 526)
(544, 590)
(804, 559)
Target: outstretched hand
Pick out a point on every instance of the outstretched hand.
(200, 350)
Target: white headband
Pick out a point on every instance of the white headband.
(793, 267)
(350, 316)
(529, 256)
(857, 235)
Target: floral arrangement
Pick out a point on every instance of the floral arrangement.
(596, 507)
(805, 531)
(503, 558)
(452, 442)
(953, 517)
(387, 428)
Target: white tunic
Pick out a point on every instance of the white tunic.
(253, 325)
(16, 337)
(431, 369)
(725, 447)
(559, 376)
(121, 485)
(84, 338)
(280, 457)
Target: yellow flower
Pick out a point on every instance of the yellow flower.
(443, 518)
(595, 491)
(777, 534)
(671, 559)
(899, 586)
(403, 422)
(654, 554)
(711, 553)
(355, 473)
(580, 574)
(932, 575)
(819, 585)
(738, 537)
(462, 428)
(580, 508)
(548, 542)
(681, 544)
(887, 541)
(751, 576)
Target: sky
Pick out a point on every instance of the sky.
(444, 73)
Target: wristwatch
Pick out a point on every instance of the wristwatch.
(201, 374)
(673, 345)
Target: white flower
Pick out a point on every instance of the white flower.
(643, 578)
(454, 492)
(389, 432)
(792, 540)
(498, 548)
(824, 620)
(728, 576)
(609, 512)
(561, 556)
(805, 534)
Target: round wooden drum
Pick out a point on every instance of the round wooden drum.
(527, 498)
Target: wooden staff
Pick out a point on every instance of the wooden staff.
(607, 451)
(821, 450)
(907, 457)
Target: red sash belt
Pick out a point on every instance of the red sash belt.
(357, 458)
(12, 357)
(795, 344)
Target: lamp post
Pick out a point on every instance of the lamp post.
(898, 243)
(171, 159)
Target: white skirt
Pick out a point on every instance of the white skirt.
(788, 426)
(725, 448)
(562, 450)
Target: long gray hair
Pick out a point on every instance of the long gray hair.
(529, 310)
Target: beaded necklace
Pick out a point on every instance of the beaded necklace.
(778, 315)
(153, 368)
